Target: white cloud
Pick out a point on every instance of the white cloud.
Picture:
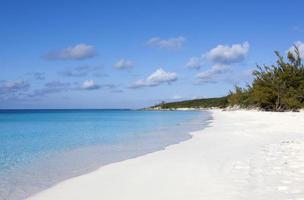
(160, 76)
(89, 85)
(11, 90)
(194, 63)
(226, 55)
(300, 46)
(13, 86)
(77, 52)
(123, 64)
(209, 74)
(171, 43)
(222, 56)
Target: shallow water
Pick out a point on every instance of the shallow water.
(39, 148)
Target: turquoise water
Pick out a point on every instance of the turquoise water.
(39, 148)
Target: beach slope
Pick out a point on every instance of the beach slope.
(241, 155)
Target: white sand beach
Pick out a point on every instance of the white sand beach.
(241, 155)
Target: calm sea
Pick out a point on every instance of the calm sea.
(39, 148)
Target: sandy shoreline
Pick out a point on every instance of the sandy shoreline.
(242, 154)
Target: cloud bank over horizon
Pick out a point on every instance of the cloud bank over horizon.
(9, 87)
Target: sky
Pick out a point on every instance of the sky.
(132, 54)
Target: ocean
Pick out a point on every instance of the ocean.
(39, 148)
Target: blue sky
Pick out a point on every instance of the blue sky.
(130, 54)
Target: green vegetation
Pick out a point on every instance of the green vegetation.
(221, 102)
(279, 87)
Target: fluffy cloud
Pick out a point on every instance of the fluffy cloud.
(123, 64)
(222, 57)
(300, 46)
(82, 71)
(89, 85)
(194, 63)
(77, 52)
(209, 74)
(160, 76)
(226, 55)
(171, 43)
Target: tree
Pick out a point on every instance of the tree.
(278, 87)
